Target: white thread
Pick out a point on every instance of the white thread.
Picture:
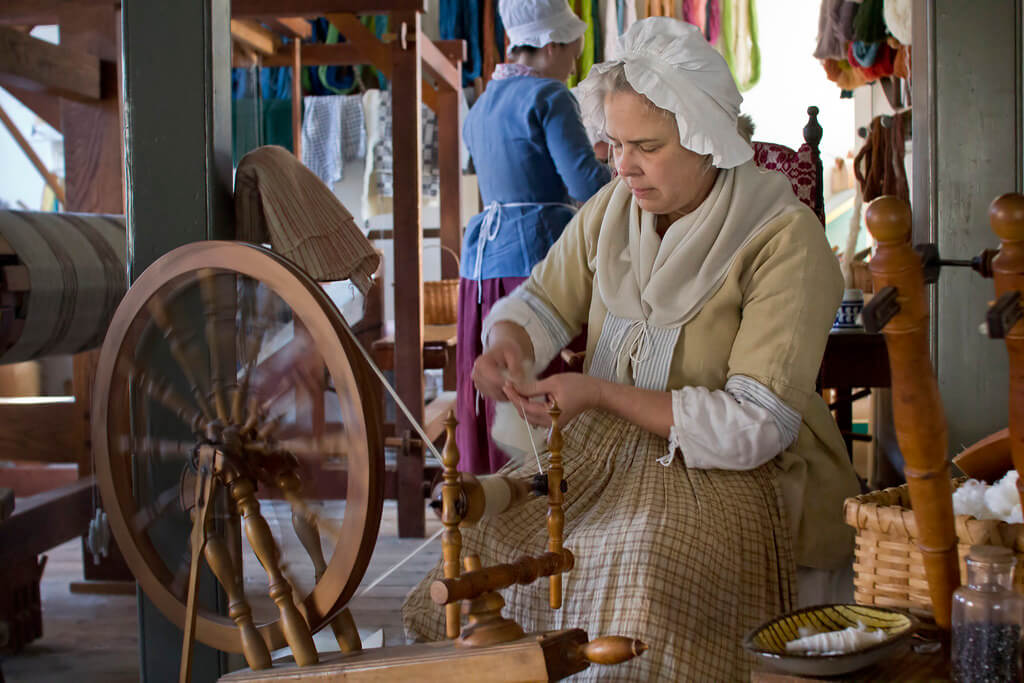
(529, 434)
(402, 561)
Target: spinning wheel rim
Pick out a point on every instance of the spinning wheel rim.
(335, 342)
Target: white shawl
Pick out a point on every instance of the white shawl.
(666, 281)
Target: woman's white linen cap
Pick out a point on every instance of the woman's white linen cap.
(539, 22)
(670, 62)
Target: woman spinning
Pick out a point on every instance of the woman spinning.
(533, 159)
(705, 474)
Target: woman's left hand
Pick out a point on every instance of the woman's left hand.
(574, 392)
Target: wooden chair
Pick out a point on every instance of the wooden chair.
(802, 166)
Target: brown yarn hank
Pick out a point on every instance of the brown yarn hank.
(879, 163)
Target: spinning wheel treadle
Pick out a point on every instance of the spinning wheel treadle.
(241, 380)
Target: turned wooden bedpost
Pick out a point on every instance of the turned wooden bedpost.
(917, 407)
(556, 518)
(1007, 217)
(451, 539)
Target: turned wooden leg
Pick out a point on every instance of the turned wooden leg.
(451, 540)
(218, 556)
(296, 630)
(556, 518)
(343, 625)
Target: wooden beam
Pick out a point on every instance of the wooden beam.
(438, 65)
(46, 520)
(93, 164)
(454, 50)
(269, 9)
(297, 99)
(378, 53)
(37, 65)
(50, 179)
(319, 54)
(406, 135)
(44, 12)
(449, 164)
(253, 35)
(293, 27)
(38, 431)
(46, 107)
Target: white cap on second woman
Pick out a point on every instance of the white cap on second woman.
(539, 22)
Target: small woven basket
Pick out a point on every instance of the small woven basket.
(888, 569)
(441, 298)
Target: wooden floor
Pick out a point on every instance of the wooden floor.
(94, 638)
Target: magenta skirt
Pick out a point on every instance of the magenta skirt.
(477, 452)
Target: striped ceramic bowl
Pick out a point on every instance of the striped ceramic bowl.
(768, 641)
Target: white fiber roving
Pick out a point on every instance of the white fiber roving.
(982, 501)
(511, 432)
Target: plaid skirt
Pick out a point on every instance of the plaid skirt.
(686, 560)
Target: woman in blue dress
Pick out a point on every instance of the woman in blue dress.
(534, 162)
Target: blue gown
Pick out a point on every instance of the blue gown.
(533, 161)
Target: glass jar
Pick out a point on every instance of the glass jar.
(987, 618)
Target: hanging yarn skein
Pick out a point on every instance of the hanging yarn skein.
(879, 170)
(878, 166)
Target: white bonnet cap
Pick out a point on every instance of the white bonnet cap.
(669, 62)
(539, 22)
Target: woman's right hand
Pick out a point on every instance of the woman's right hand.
(503, 360)
(508, 350)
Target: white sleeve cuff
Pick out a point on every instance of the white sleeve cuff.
(715, 430)
(547, 334)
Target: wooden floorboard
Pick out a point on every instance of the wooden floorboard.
(94, 638)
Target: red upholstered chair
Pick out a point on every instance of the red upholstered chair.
(802, 166)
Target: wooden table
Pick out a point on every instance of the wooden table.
(438, 348)
(852, 360)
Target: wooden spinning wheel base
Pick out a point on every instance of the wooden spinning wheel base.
(549, 656)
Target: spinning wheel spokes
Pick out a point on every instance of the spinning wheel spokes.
(229, 347)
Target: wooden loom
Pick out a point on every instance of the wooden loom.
(249, 333)
(73, 87)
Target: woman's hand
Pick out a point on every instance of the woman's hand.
(495, 367)
(574, 393)
(508, 351)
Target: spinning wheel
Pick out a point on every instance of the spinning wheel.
(243, 383)
(228, 371)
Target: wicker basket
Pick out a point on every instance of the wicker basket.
(441, 298)
(888, 570)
